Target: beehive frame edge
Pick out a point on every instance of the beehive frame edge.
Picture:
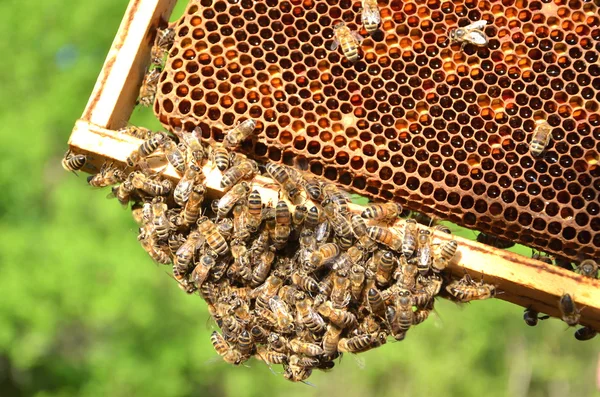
(523, 281)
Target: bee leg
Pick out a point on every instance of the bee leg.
(462, 46)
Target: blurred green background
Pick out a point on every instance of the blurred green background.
(85, 312)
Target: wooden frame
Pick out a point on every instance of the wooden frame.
(523, 281)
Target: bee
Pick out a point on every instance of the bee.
(409, 239)
(190, 213)
(361, 343)
(348, 40)
(73, 162)
(222, 347)
(278, 343)
(340, 294)
(259, 335)
(229, 199)
(254, 211)
(123, 192)
(150, 186)
(370, 16)
(448, 250)
(466, 290)
(305, 282)
(296, 373)
(531, 317)
(184, 187)
(337, 197)
(330, 341)
(280, 175)
(568, 309)
(244, 170)
(322, 232)
(185, 255)
(542, 134)
(202, 269)
(384, 236)
(148, 88)
(313, 188)
(338, 220)
(312, 219)
(385, 267)
(214, 240)
(271, 357)
(108, 175)
(308, 349)
(585, 333)
(156, 252)
(267, 290)
(307, 315)
(175, 155)
(239, 133)
(339, 317)
(375, 301)
(470, 34)
(387, 211)
(299, 216)
(241, 266)
(195, 146)
(588, 268)
(162, 43)
(543, 258)
(442, 228)
(262, 269)
(401, 316)
(225, 228)
(325, 254)
(285, 321)
(147, 147)
(220, 157)
(494, 241)
(136, 132)
(357, 278)
(282, 227)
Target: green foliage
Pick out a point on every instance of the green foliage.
(85, 312)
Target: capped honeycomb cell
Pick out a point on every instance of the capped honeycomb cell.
(414, 119)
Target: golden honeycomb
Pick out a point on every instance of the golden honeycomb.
(416, 120)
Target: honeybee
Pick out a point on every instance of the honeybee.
(109, 175)
(282, 226)
(339, 317)
(307, 315)
(325, 254)
(313, 188)
(259, 335)
(385, 236)
(281, 176)
(466, 290)
(73, 162)
(149, 87)
(442, 228)
(123, 192)
(585, 333)
(296, 373)
(357, 279)
(338, 198)
(406, 276)
(339, 222)
(136, 132)
(312, 219)
(214, 240)
(175, 155)
(195, 146)
(542, 134)
(285, 321)
(444, 256)
(244, 170)
(150, 186)
(542, 258)
(340, 294)
(348, 40)
(370, 16)
(162, 43)
(494, 241)
(470, 34)
(254, 211)
(588, 268)
(308, 349)
(184, 187)
(531, 317)
(361, 343)
(229, 199)
(160, 221)
(409, 239)
(202, 269)
(387, 211)
(185, 254)
(239, 133)
(267, 290)
(568, 309)
(156, 252)
(220, 157)
(190, 213)
(271, 357)
(401, 316)
(147, 147)
(322, 232)
(222, 347)
(385, 267)
(376, 304)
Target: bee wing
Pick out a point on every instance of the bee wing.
(477, 25)
(476, 37)
(357, 36)
(334, 45)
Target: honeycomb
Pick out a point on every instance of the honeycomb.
(414, 120)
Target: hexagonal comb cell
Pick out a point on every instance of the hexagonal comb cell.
(415, 119)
